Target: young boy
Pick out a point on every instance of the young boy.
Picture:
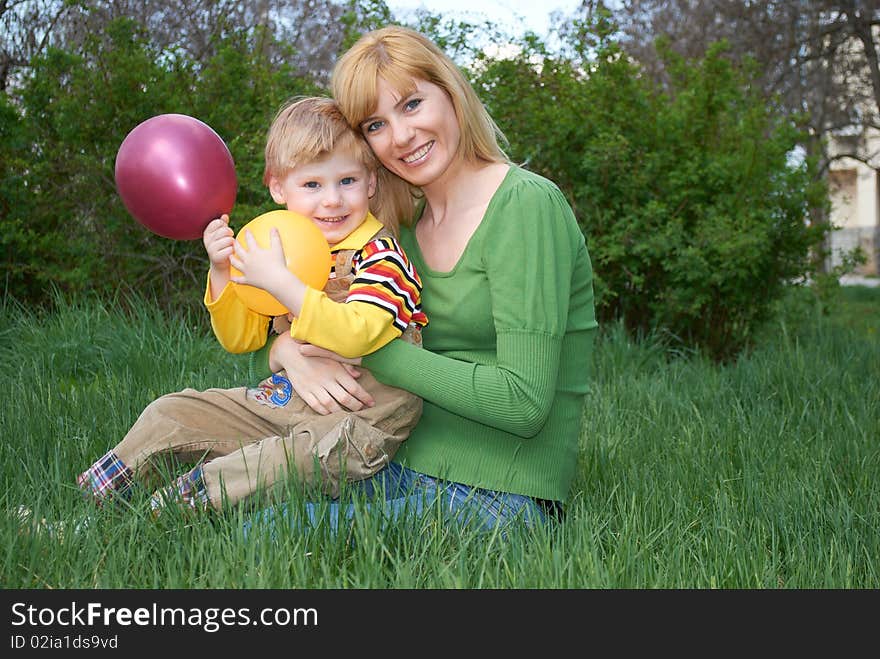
(247, 439)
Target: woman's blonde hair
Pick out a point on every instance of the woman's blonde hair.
(400, 56)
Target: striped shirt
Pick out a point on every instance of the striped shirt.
(385, 277)
(383, 299)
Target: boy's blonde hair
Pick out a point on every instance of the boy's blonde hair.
(307, 129)
(310, 128)
(401, 56)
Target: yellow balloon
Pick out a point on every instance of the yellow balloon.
(305, 250)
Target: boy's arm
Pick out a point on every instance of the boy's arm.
(218, 239)
(237, 328)
(384, 298)
(350, 329)
(266, 268)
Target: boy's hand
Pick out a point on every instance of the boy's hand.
(263, 268)
(218, 239)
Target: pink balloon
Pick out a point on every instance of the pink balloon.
(175, 175)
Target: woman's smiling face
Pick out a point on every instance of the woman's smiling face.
(414, 136)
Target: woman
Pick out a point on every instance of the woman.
(507, 287)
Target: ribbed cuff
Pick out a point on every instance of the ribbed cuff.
(258, 364)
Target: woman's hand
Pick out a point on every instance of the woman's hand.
(310, 350)
(326, 385)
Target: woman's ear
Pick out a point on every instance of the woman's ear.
(276, 189)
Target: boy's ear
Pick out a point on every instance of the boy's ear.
(371, 185)
(276, 189)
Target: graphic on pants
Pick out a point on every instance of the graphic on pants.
(274, 392)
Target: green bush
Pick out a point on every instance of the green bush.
(67, 228)
(694, 216)
(17, 239)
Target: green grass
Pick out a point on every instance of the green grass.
(760, 474)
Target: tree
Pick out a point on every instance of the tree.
(97, 69)
(682, 186)
(817, 58)
(67, 228)
(693, 214)
(304, 35)
(26, 30)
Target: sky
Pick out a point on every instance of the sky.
(517, 15)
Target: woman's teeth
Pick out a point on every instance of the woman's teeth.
(418, 155)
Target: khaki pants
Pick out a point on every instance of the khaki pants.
(248, 445)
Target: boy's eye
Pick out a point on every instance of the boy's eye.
(348, 180)
(310, 184)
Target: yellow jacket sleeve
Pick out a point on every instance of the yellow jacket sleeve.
(350, 329)
(237, 328)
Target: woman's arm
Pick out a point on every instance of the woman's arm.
(514, 395)
(530, 255)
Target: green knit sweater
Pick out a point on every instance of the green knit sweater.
(508, 348)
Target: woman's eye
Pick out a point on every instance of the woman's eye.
(412, 104)
(372, 127)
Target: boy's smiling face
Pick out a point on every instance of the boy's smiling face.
(333, 192)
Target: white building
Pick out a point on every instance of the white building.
(855, 203)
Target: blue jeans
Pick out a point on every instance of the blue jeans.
(399, 494)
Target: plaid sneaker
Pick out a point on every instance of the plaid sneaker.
(107, 477)
(188, 491)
